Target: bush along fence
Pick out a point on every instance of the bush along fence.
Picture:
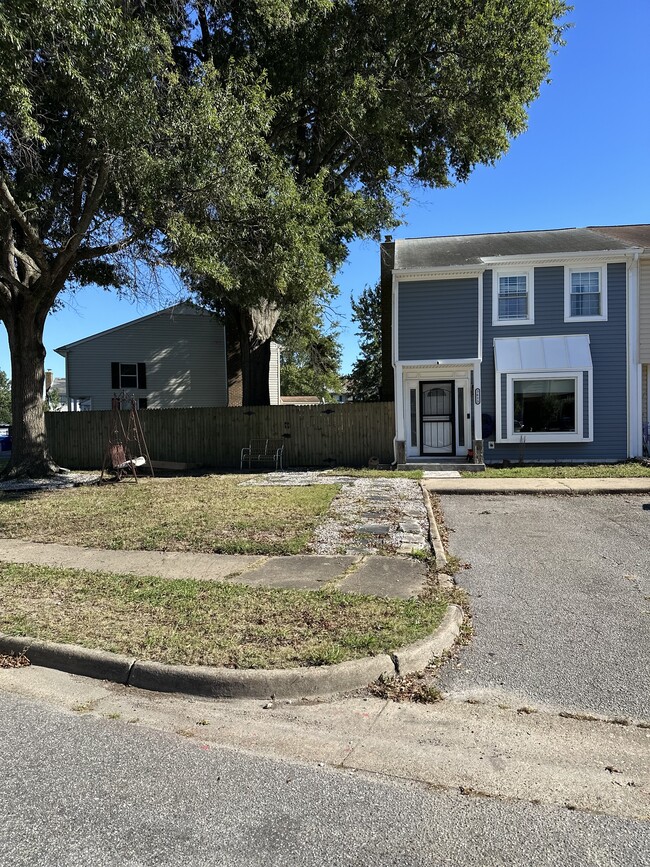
(325, 435)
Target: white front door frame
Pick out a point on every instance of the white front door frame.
(410, 375)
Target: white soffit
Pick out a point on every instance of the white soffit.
(569, 352)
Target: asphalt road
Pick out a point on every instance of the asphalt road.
(76, 790)
(560, 589)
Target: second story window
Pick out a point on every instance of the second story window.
(585, 294)
(128, 375)
(513, 298)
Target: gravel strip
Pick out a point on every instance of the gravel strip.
(368, 516)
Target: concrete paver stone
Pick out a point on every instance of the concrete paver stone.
(400, 577)
(374, 529)
(299, 572)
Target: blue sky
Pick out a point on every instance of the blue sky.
(585, 160)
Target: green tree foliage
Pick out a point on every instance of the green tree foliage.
(106, 136)
(369, 98)
(365, 379)
(310, 356)
(246, 142)
(5, 398)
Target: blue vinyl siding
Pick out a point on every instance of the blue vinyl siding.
(608, 353)
(438, 319)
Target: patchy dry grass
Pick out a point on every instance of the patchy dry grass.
(627, 470)
(206, 623)
(200, 513)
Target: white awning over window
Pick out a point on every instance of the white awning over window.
(532, 354)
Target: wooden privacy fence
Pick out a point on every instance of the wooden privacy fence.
(347, 434)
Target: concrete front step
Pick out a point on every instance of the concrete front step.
(439, 467)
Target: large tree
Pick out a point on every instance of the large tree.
(247, 142)
(371, 97)
(106, 134)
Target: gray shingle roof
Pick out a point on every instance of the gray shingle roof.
(437, 252)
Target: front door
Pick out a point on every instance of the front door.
(437, 418)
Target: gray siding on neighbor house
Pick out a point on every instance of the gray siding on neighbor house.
(184, 353)
(644, 311)
(437, 319)
(609, 358)
(274, 375)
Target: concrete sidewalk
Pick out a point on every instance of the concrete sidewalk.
(477, 485)
(390, 576)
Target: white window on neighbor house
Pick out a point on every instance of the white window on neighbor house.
(585, 294)
(513, 301)
(128, 375)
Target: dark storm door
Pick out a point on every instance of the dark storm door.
(437, 418)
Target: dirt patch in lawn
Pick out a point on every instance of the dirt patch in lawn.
(206, 623)
(200, 513)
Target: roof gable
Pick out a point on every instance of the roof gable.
(184, 308)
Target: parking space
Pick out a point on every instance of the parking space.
(560, 590)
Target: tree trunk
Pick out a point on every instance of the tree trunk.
(253, 328)
(256, 362)
(29, 452)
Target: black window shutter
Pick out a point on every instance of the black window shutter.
(115, 375)
(142, 375)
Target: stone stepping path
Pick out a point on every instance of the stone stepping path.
(368, 516)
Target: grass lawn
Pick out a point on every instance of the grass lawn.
(204, 622)
(199, 513)
(629, 470)
(365, 473)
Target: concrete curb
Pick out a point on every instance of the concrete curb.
(70, 657)
(434, 535)
(537, 486)
(238, 683)
(416, 656)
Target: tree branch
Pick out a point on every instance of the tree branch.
(6, 277)
(25, 225)
(66, 258)
(106, 249)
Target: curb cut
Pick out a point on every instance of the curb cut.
(434, 535)
(238, 683)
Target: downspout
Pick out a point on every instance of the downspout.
(634, 385)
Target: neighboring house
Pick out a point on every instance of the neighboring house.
(527, 346)
(173, 358)
(55, 389)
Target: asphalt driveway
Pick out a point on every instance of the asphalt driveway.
(560, 589)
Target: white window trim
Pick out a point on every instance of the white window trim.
(585, 266)
(131, 364)
(510, 436)
(529, 274)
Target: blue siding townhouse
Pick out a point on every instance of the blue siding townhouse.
(527, 346)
